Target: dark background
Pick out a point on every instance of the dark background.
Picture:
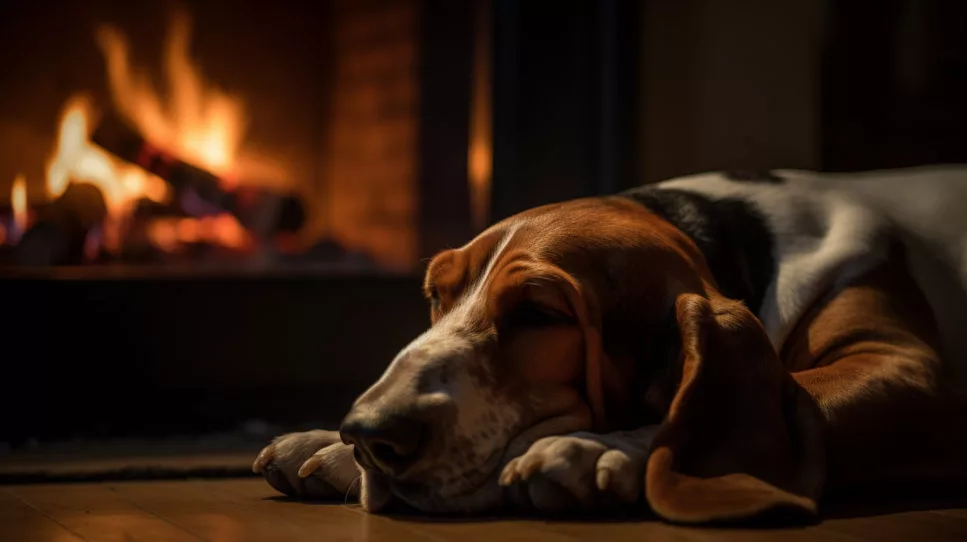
(584, 97)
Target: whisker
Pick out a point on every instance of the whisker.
(350, 488)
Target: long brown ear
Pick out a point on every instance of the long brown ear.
(605, 382)
(741, 437)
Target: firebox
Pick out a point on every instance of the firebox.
(216, 211)
(233, 134)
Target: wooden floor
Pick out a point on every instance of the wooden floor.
(247, 509)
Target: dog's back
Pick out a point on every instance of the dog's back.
(829, 226)
(928, 209)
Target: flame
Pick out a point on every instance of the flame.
(18, 201)
(200, 124)
(197, 123)
(77, 159)
(480, 151)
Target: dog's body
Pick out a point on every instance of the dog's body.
(593, 353)
(825, 229)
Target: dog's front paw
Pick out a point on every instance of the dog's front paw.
(580, 471)
(312, 465)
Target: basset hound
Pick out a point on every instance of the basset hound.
(711, 348)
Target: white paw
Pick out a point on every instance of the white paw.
(313, 464)
(580, 471)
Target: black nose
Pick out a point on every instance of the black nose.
(389, 444)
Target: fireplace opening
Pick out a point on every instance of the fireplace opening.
(223, 134)
(215, 213)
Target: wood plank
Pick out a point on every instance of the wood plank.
(19, 522)
(544, 530)
(96, 512)
(240, 510)
(373, 527)
(243, 510)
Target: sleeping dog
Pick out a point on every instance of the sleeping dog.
(711, 348)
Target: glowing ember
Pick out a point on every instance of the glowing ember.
(18, 200)
(223, 230)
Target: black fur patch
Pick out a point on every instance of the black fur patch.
(754, 177)
(731, 233)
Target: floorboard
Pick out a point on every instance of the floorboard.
(19, 521)
(248, 510)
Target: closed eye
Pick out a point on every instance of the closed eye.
(531, 315)
(433, 295)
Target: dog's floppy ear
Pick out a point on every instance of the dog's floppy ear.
(741, 437)
(605, 382)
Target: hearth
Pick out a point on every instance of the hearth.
(134, 352)
(215, 213)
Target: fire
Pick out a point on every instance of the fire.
(199, 123)
(222, 230)
(18, 201)
(77, 159)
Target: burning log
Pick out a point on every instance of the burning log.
(200, 191)
(59, 235)
(118, 138)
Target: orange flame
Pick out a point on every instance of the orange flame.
(18, 201)
(200, 124)
(77, 159)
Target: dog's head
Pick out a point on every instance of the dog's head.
(560, 319)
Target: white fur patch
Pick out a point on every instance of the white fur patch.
(445, 367)
(819, 237)
(829, 227)
(928, 208)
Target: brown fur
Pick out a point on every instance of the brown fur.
(868, 355)
(740, 436)
(680, 386)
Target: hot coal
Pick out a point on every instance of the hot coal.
(59, 235)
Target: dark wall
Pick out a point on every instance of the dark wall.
(729, 85)
(894, 82)
(447, 35)
(564, 99)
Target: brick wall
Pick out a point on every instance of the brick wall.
(372, 146)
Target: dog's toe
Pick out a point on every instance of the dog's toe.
(578, 472)
(312, 465)
(277, 478)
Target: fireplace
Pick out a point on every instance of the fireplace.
(234, 135)
(214, 212)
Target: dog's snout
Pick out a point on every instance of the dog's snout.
(388, 443)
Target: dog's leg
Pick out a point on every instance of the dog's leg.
(871, 363)
(887, 434)
(311, 465)
(580, 471)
